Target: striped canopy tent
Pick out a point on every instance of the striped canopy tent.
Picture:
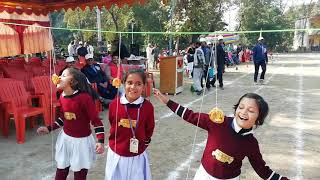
(16, 39)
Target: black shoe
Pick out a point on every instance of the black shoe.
(199, 93)
(221, 87)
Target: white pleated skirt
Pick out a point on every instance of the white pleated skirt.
(202, 174)
(127, 168)
(78, 153)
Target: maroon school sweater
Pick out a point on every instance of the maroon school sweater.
(77, 111)
(225, 148)
(119, 141)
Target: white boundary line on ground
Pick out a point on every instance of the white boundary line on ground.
(176, 173)
(299, 125)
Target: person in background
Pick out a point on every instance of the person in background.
(221, 54)
(209, 63)
(70, 62)
(190, 57)
(259, 59)
(150, 57)
(95, 74)
(71, 49)
(156, 52)
(198, 65)
(90, 48)
(82, 52)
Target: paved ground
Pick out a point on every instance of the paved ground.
(289, 140)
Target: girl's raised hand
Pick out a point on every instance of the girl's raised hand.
(162, 98)
(42, 130)
(99, 148)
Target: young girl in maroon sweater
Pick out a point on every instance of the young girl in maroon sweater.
(131, 120)
(75, 146)
(230, 140)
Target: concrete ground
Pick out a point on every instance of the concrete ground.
(289, 139)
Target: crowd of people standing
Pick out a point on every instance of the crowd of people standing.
(201, 58)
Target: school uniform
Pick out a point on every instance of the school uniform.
(75, 146)
(128, 120)
(227, 145)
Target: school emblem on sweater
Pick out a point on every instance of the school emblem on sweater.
(222, 157)
(126, 123)
(69, 115)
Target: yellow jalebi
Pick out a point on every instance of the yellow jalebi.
(116, 82)
(55, 79)
(216, 115)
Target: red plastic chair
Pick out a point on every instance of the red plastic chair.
(16, 62)
(19, 73)
(35, 61)
(3, 62)
(16, 102)
(42, 86)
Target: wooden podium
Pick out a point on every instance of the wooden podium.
(171, 74)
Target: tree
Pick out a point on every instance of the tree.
(265, 15)
(79, 19)
(61, 37)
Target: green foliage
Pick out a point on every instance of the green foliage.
(60, 36)
(79, 19)
(262, 14)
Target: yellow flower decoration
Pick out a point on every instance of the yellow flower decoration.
(116, 82)
(216, 115)
(55, 79)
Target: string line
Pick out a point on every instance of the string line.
(167, 33)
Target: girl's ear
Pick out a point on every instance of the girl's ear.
(73, 84)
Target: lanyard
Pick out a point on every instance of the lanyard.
(133, 130)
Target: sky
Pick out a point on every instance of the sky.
(230, 16)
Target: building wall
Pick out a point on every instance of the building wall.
(301, 38)
(307, 39)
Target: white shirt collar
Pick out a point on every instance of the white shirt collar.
(124, 100)
(76, 91)
(237, 128)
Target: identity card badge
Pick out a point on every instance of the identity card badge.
(134, 144)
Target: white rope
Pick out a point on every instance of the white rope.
(51, 60)
(200, 110)
(118, 76)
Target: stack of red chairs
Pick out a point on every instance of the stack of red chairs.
(19, 73)
(35, 61)
(47, 91)
(17, 102)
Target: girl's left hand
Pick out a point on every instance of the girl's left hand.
(162, 98)
(99, 148)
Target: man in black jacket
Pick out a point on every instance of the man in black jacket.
(220, 56)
